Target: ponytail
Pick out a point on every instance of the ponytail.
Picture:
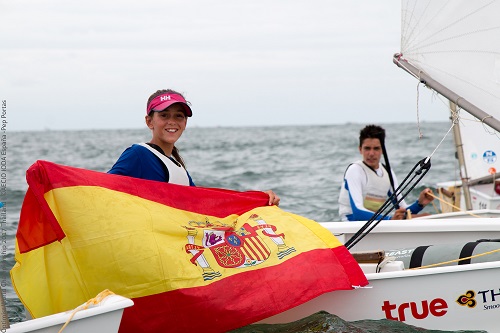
(177, 156)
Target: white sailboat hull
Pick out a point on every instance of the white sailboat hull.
(424, 298)
(427, 298)
(431, 230)
(102, 318)
(484, 197)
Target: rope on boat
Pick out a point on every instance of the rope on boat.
(435, 207)
(93, 301)
(442, 140)
(453, 206)
(420, 135)
(456, 260)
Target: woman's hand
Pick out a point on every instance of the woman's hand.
(274, 199)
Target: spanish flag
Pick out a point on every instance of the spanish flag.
(192, 259)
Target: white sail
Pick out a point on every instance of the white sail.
(482, 157)
(457, 44)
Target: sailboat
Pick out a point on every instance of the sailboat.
(448, 46)
(430, 272)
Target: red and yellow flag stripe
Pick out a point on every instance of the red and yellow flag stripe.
(83, 231)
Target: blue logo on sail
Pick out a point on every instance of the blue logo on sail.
(489, 156)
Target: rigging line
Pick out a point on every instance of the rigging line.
(378, 214)
(435, 208)
(486, 127)
(439, 144)
(456, 114)
(423, 165)
(420, 135)
(369, 226)
(387, 204)
(451, 205)
(357, 236)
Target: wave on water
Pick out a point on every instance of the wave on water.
(324, 322)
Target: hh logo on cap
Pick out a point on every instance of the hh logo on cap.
(165, 98)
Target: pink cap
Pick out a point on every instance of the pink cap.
(161, 102)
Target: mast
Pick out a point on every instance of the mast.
(450, 95)
(457, 137)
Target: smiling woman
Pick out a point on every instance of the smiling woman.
(159, 159)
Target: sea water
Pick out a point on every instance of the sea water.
(304, 165)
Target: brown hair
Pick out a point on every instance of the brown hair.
(175, 151)
(371, 132)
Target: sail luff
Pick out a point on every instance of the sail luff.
(444, 91)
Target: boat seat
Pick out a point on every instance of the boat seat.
(483, 250)
(389, 266)
(369, 257)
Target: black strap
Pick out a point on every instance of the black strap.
(487, 240)
(164, 167)
(375, 171)
(369, 167)
(156, 147)
(388, 168)
(347, 168)
(467, 251)
(417, 256)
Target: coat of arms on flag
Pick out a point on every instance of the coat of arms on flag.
(240, 248)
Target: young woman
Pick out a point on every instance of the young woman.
(166, 116)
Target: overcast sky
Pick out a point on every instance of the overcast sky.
(93, 64)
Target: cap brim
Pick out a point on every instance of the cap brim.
(166, 104)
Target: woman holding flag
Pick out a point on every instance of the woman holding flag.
(159, 159)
